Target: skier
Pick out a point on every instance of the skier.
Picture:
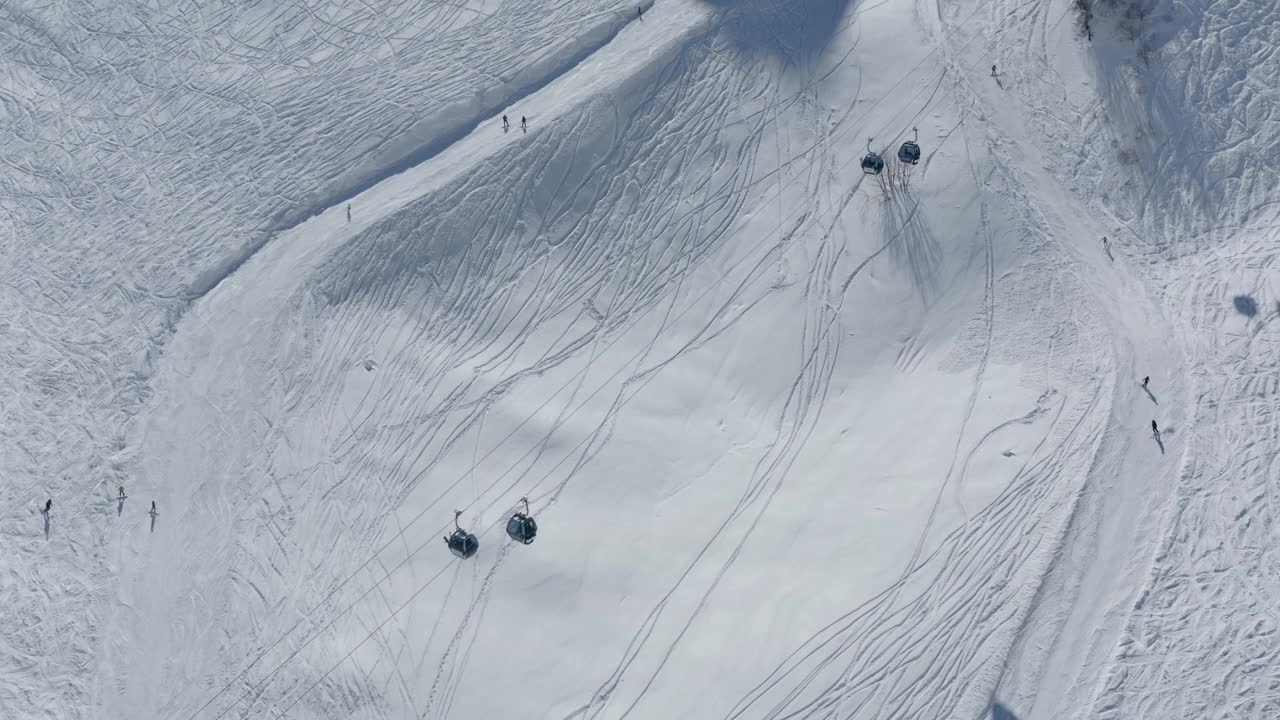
(48, 506)
(993, 71)
(506, 124)
(1154, 428)
(1145, 380)
(640, 12)
(348, 212)
(121, 494)
(153, 507)
(523, 124)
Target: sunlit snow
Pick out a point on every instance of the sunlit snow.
(801, 441)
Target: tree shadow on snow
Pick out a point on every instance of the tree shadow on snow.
(1148, 74)
(789, 29)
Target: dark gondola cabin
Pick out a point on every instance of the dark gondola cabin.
(910, 151)
(461, 543)
(872, 164)
(521, 527)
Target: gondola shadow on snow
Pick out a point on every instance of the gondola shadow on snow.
(1245, 305)
(789, 29)
(912, 244)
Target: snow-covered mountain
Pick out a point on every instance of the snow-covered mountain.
(801, 441)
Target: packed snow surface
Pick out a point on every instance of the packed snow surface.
(801, 441)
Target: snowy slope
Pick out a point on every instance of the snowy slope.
(801, 442)
(147, 151)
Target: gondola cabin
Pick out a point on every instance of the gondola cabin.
(462, 543)
(521, 527)
(872, 164)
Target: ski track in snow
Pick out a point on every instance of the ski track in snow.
(148, 151)
(1191, 218)
(1201, 641)
(769, 466)
(682, 234)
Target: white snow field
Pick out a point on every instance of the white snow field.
(801, 442)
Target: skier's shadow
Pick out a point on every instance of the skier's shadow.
(45, 513)
(153, 515)
(1147, 390)
(119, 506)
(1159, 441)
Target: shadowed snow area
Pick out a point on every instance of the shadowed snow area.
(801, 441)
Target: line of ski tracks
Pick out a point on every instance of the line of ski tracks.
(915, 649)
(559, 288)
(660, 633)
(496, 312)
(1205, 634)
(1202, 637)
(125, 184)
(471, 322)
(919, 648)
(870, 662)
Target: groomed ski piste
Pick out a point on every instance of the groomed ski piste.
(801, 441)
